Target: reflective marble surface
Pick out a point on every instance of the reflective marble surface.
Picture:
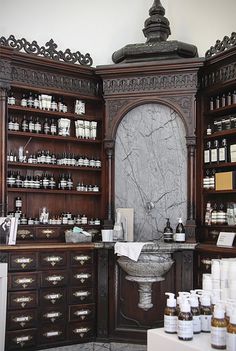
(151, 168)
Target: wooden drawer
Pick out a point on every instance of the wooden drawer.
(47, 234)
(81, 258)
(21, 339)
(25, 233)
(21, 319)
(80, 295)
(23, 299)
(22, 261)
(50, 259)
(51, 333)
(22, 281)
(53, 314)
(81, 331)
(81, 277)
(52, 297)
(54, 278)
(81, 313)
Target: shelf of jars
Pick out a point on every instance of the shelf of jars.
(54, 114)
(52, 137)
(56, 191)
(52, 166)
(217, 192)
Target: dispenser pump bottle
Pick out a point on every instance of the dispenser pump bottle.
(170, 315)
(231, 332)
(185, 322)
(194, 303)
(180, 232)
(218, 328)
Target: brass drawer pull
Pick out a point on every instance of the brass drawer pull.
(48, 231)
(81, 294)
(53, 260)
(55, 279)
(82, 313)
(206, 262)
(23, 261)
(23, 300)
(22, 340)
(24, 281)
(81, 331)
(82, 259)
(52, 333)
(82, 277)
(23, 233)
(53, 297)
(22, 320)
(52, 315)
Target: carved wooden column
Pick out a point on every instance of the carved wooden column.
(109, 148)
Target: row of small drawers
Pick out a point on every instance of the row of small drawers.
(25, 319)
(54, 278)
(40, 233)
(77, 331)
(47, 260)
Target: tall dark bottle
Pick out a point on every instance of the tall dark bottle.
(168, 232)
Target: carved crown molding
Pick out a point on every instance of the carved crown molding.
(48, 51)
(222, 75)
(222, 45)
(9, 73)
(150, 83)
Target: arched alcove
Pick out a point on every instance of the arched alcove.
(151, 168)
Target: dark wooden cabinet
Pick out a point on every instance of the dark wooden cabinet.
(51, 304)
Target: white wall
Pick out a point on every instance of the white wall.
(100, 27)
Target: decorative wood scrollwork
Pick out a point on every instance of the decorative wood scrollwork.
(222, 45)
(48, 51)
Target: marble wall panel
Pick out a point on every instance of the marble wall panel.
(151, 168)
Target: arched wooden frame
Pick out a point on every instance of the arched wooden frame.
(184, 106)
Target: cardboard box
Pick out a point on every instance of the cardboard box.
(225, 181)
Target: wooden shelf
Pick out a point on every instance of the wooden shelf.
(49, 166)
(221, 165)
(52, 137)
(212, 248)
(56, 191)
(221, 134)
(222, 110)
(54, 114)
(217, 192)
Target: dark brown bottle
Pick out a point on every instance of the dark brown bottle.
(185, 322)
(168, 232)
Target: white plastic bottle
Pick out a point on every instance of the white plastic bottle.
(206, 313)
(231, 332)
(218, 328)
(170, 315)
(185, 322)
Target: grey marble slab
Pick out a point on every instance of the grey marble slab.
(100, 347)
(151, 168)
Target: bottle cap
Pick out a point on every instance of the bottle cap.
(185, 306)
(171, 301)
(219, 311)
(205, 300)
(193, 300)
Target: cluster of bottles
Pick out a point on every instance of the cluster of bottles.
(225, 123)
(197, 312)
(46, 181)
(220, 214)
(223, 100)
(209, 179)
(33, 125)
(39, 101)
(65, 218)
(216, 151)
(85, 129)
(47, 157)
(178, 237)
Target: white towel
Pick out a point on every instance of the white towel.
(131, 250)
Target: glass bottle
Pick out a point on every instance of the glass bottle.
(170, 315)
(46, 127)
(23, 102)
(36, 101)
(11, 123)
(207, 153)
(38, 126)
(185, 322)
(168, 232)
(53, 127)
(31, 125)
(231, 332)
(218, 329)
(214, 152)
(30, 100)
(206, 313)
(11, 99)
(180, 232)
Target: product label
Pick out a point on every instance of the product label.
(218, 336)
(206, 323)
(231, 342)
(206, 156)
(222, 154)
(185, 329)
(214, 155)
(179, 237)
(197, 327)
(170, 324)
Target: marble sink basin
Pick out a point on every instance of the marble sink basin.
(148, 265)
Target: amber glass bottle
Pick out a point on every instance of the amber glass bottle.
(218, 329)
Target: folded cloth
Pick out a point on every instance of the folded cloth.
(131, 250)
